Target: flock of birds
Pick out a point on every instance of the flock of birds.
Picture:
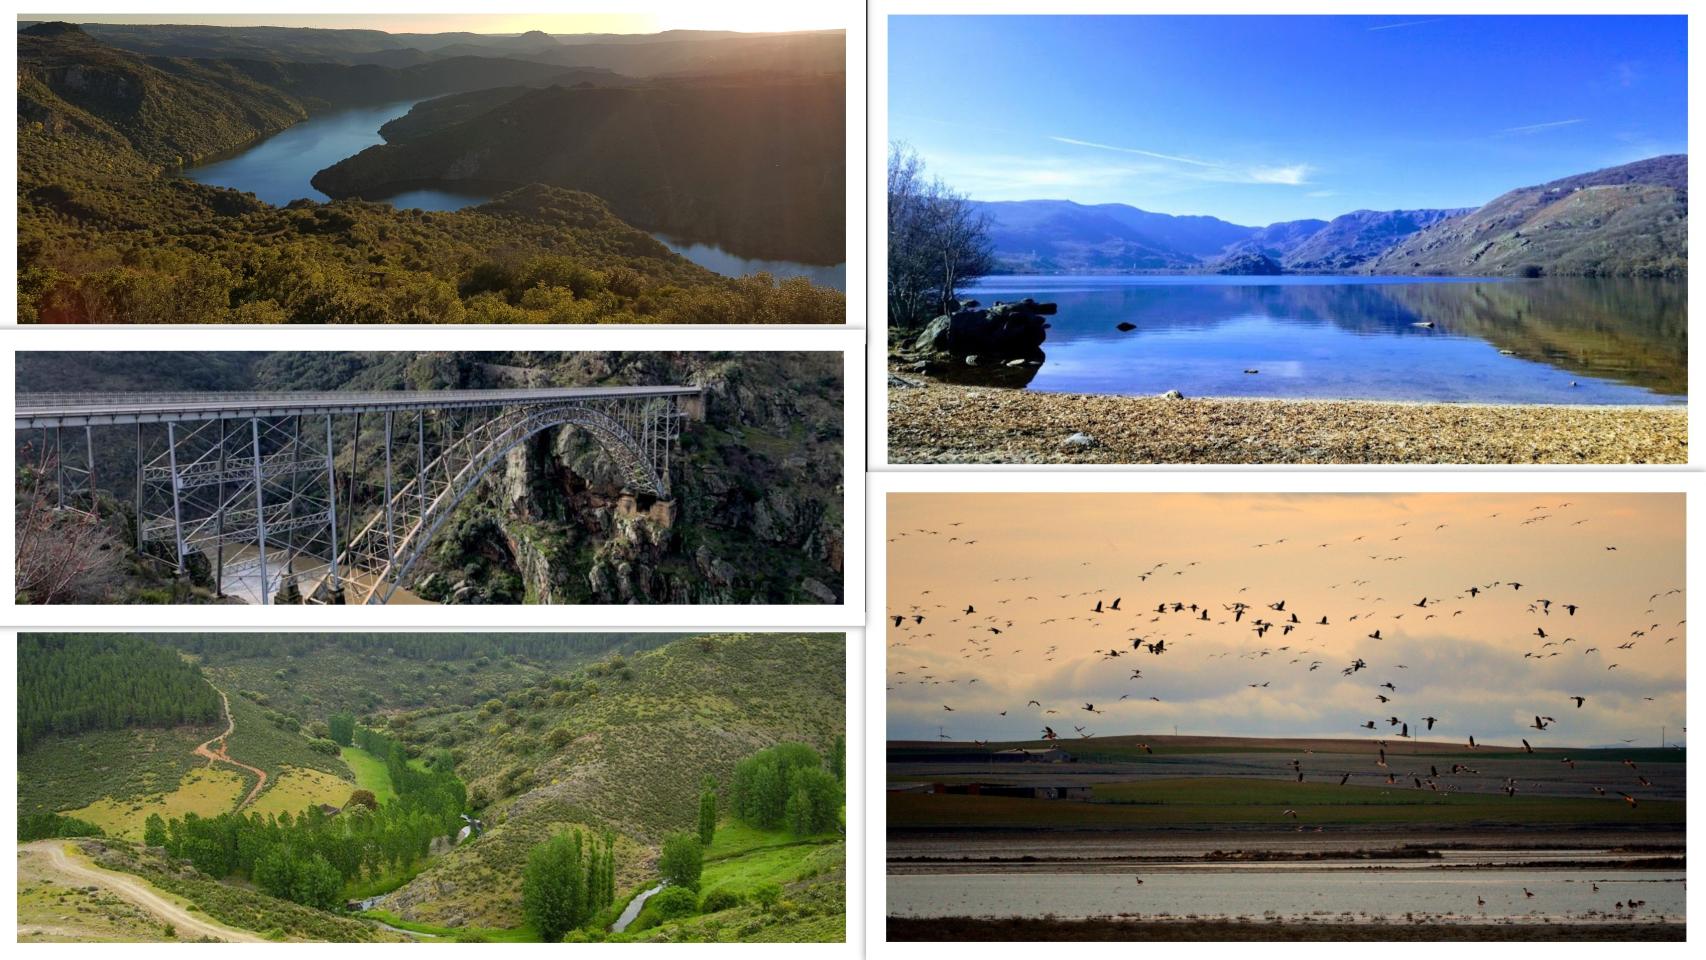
(1273, 634)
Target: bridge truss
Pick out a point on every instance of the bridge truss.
(323, 497)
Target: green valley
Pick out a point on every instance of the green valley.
(568, 777)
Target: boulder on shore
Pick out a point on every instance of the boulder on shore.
(1005, 331)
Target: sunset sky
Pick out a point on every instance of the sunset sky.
(1467, 669)
(667, 17)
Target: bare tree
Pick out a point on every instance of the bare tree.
(60, 555)
(938, 241)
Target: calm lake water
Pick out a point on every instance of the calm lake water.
(279, 168)
(1554, 340)
(1291, 894)
(718, 260)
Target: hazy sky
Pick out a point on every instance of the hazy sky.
(1467, 669)
(707, 17)
(1262, 119)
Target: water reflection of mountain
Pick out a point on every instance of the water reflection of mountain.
(1634, 331)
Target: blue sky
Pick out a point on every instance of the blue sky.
(1262, 119)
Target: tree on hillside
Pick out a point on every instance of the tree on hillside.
(937, 241)
(154, 831)
(364, 798)
(552, 888)
(567, 881)
(838, 758)
(341, 727)
(708, 812)
(682, 861)
(763, 783)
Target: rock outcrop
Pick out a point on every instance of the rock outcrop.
(1249, 265)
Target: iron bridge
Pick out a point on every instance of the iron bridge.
(324, 497)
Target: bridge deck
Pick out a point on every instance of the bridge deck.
(76, 410)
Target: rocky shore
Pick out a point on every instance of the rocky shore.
(935, 423)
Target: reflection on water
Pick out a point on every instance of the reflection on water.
(1556, 340)
(1293, 894)
(442, 200)
(718, 260)
(279, 168)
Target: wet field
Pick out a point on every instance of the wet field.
(1208, 835)
(1343, 893)
(1488, 771)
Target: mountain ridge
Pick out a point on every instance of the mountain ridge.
(1063, 236)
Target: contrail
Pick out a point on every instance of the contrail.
(1406, 23)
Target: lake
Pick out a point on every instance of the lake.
(279, 168)
(718, 260)
(1552, 340)
(1346, 893)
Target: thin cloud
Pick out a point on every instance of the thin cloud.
(1288, 175)
(1406, 23)
(1527, 129)
(1294, 175)
(1141, 153)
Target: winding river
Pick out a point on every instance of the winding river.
(278, 170)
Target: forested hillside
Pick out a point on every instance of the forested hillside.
(311, 677)
(624, 745)
(108, 233)
(75, 683)
(757, 165)
(1624, 221)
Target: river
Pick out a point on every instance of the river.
(1553, 340)
(633, 909)
(278, 170)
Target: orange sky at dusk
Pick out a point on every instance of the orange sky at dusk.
(666, 17)
(1468, 668)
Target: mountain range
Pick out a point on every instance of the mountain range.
(1629, 220)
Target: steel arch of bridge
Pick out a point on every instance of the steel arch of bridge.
(272, 484)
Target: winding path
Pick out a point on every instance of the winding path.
(135, 891)
(212, 755)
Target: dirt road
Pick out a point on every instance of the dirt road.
(212, 755)
(134, 890)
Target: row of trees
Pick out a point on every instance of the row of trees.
(74, 683)
(569, 879)
(938, 242)
(309, 857)
(787, 785)
(340, 729)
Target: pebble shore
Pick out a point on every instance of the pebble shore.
(931, 423)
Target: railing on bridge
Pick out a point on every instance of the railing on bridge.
(292, 497)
